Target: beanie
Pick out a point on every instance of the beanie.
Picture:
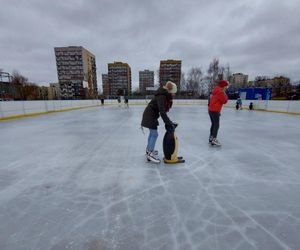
(223, 83)
(174, 87)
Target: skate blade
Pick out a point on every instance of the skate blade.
(149, 161)
(179, 160)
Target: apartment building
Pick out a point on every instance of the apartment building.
(146, 79)
(170, 70)
(119, 78)
(76, 71)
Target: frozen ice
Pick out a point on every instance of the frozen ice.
(79, 180)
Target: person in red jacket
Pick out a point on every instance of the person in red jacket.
(217, 99)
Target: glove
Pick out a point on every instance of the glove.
(171, 127)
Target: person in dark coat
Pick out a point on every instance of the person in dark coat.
(216, 102)
(158, 106)
(251, 105)
(126, 102)
(119, 101)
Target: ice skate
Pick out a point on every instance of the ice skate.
(216, 143)
(153, 158)
(155, 152)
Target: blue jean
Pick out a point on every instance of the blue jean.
(152, 139)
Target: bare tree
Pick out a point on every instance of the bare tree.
(213, 73)
(183, 82)
(18, 82)
(18, 79)
(24, 89)
(157, 77)
(227, 72)
(262, 81)
(216, 72)
(194, 80)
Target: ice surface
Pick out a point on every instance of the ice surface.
(79, 180)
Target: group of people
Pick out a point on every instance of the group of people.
(126, 102)
(239, 105)
(162, 103)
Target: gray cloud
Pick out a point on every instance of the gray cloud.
(254, 37)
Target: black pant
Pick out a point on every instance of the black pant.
(215, 123)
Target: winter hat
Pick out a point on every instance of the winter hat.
(223, 83)
(173, 90)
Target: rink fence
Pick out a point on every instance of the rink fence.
(15, 109)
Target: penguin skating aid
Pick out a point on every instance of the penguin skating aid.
(170, 146)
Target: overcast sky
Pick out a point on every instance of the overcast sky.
(256, 37)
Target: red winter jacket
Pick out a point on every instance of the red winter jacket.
(217, 99)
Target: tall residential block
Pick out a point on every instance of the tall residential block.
(76, 71)
(170, 70)
(146, 79)
(105, 85)
(119, 78)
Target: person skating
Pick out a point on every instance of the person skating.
(239, 104)
(119, 101)
(216, 102)
(126, 102)
(158, 106)
(251, 106)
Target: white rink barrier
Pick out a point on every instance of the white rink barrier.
(20, 108)
(276, 106)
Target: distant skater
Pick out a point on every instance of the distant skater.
(251, 106)
(158, 106)
(102, 101)
(126, 102)
(239, 104)
(216, 102)
(119, 101)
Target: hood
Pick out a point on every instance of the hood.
(217, 90)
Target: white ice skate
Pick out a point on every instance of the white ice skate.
(155, 152)
(216, 143)
(153, 158)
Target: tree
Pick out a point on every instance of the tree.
(136, 92)
(24, 89)
(227, 72)
(19, 81)
(213, 73)
(194, 81)
(183, 82)
(157, 77)
(262, 81)
(281, 86)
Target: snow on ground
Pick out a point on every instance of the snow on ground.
(79, 180)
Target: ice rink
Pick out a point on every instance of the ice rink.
(79, 180)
